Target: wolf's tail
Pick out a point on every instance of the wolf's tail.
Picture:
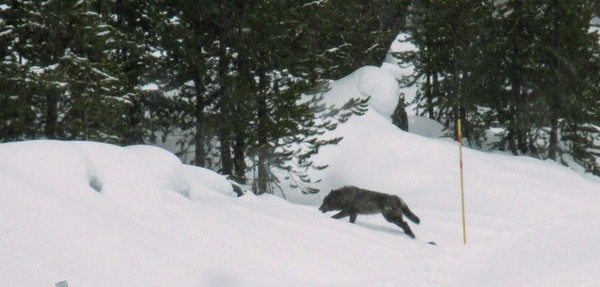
(408, 213)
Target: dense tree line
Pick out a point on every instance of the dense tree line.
(527, 70)
(238, 83)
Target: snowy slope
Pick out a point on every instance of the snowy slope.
(100, 215)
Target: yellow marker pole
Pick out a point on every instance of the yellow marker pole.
(462, 182)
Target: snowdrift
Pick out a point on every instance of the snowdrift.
(101, 215)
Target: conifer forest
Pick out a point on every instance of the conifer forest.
(239, 84)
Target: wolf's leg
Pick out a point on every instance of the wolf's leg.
(353, 217)
(341, 214)
(396, 218)
(406, 229)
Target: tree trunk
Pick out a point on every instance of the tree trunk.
(553, 143)
(429, 95)
(262, 163)
(555, 97)
(200, 153)
(225, 151)
(262, 180)
(239, 161)
(51, 115)
(134, 133)
(239, 113)
(225, 111)
(435, 93)
(515, 139)
(518, 102)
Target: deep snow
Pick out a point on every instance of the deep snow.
(100, 215)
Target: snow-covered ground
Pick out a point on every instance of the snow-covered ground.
(101, 215)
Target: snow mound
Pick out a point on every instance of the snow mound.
(381, 87)
(122, 172)
(49, 164)
(162, 167)
(134, 172)
(425, 127)
(370, 81)
(202, 180)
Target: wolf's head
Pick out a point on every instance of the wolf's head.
(331, 202)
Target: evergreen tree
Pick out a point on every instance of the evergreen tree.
(527, 68)
(346, 35)
(239, 80)
(287, 129)
(514, 100)
(569, 77)
(444, 32)
(132, 53)
(188, 71)
(69, 85)
(18, 116)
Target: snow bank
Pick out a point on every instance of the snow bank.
(49, 164)
(202, 181)
(373, 82)
(136, 230)
(162, 167)
(133, 171)
(95, 214)
(425, 127)
(381, 87)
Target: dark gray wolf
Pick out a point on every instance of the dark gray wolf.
(352, 201)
